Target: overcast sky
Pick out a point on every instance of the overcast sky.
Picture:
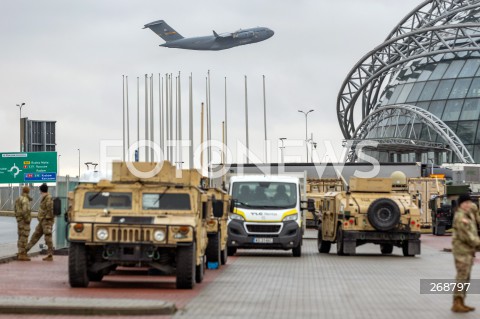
(65, 60)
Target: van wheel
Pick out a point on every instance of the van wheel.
(297, 251)
(224, 256)
(323, 246)
(231, 251)
(186, 268)
(386, 249)
(213, 248)
(340, 250)
(77, 265)
(200, 271)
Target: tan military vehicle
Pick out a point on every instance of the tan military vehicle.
(373, 210)
(159, 222)
(217, 229)
(316, 189)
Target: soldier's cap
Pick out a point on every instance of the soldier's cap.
(463, 198)
(43, 188)
(26, 189)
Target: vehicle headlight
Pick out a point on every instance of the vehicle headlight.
(102, 234)
(236, 217)
(159, 235)
(291, 217)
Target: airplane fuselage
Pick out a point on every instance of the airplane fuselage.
(215, 43)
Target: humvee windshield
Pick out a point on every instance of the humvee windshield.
(265, 194)
(109, 200)
(163, 201)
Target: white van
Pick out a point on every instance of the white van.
(267, 213)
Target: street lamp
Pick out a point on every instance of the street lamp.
(314, 146)
(431, 170)
(281, 149)
(306, 129)
(20, 107)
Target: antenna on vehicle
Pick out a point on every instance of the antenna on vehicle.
(347, 187)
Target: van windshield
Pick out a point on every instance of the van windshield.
(265, 194)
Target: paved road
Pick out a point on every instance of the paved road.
(8, 229)
(273, 284)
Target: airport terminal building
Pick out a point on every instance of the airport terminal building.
(417, 95)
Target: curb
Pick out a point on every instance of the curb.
(84, 306)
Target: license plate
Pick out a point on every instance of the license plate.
(262, 240)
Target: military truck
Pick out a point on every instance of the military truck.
(316, 188)
(217, 253)
(372, 210)
(424, 189)
(442, 208)
(158, 221)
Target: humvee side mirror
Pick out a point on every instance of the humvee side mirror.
(311, 205)
(204, 210)
(217, 208)
(57, 206)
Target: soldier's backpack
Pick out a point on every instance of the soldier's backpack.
(57, 206)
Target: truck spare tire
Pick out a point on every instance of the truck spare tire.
(383, 214)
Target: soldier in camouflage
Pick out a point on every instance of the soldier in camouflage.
(45, 223)
(23, 214)
(465, 241)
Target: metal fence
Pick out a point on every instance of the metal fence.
(8, 194)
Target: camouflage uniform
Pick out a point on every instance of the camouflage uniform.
(464, 242)
(45, 224)
(23, 214)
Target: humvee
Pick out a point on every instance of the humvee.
(217, 229)
(157, 222)
(372, 210)
(316, 188)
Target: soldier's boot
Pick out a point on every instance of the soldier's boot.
(48, 258)
(468, 307)
(23, 257)
(458, 305)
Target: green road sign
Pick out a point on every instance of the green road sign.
(28, 167)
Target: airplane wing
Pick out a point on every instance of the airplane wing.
(222, 35)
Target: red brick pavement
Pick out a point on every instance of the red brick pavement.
(50, 279)
(442, 242)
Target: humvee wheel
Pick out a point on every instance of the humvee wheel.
(224, 256)
(77, 265)
(297, 251)
(200, 271)
(386, 249)
(186, 267)
(405, 249)
(340, 251)
(383, 214)
(323, 246)
(213, 248)
(231, 251)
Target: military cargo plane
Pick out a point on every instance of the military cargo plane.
(213, 42)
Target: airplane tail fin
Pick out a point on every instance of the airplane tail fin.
(163, 30)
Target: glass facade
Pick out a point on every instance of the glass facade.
(447, 86)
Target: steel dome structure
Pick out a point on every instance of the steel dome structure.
(418, 93)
